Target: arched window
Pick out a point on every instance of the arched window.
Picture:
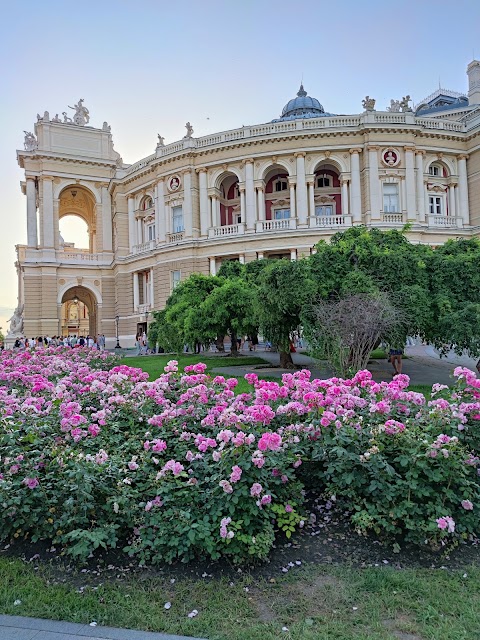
(435, 170)
(147, 203)
(281, 184)
(324, 181)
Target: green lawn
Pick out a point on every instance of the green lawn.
(314, 603)
(154, 364)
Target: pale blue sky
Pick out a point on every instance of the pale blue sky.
(148, 66)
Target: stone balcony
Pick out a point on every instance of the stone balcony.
(445, 222)
(263, 226)
(226, 231)
(144, 247)
(144, 308)
(175, 237)
(330, 222)
(83, 258)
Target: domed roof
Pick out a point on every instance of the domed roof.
(303, 106)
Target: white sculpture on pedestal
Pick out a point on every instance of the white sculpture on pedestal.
(189, 129)
(81, 117)
(16, 322)
(30, 142)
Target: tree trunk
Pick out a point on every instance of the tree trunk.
(219, 344)
(286, 361)
(234, 347)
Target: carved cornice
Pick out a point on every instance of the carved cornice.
(463, 156)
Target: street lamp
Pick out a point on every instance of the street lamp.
(117, 346)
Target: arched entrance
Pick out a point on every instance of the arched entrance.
(79, 312)
(78, 203)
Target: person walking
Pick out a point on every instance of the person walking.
(395, 356)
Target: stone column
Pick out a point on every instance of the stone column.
(374, 183)
(152, 290)
(48, 226)
(241, 258)
(259, 255)
(345, 207)
(250, 196)
(261, 203)
(463, 189)
(293, 212)
(403, 194)
(410, 184)
(213, 267)
(204, 214)
(293, 255)
(302, 204)
(160, 229)
(452, 201)
(355, 193)
(136, 292)
(311, 198)
(107, 218)
(420, 189)
(426, 199)
(132, 241)
(242, 203)
(215, 220)
(32, 231)
(187, 203)
(139, 230)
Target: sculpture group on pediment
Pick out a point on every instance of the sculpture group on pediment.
(404, 106)
(394, 106)
(56, 118)
(82, 115)
(368, 103)
(30, 142)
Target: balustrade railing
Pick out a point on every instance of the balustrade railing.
(175, 237)
(145, 246)
(226, 230)
(392, 218)
(445, 222)
(331, 221)
(276, 225)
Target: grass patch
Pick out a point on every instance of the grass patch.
(154, 365)
(315, 603)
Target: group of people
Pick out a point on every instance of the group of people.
(41, 342)
(141, 344)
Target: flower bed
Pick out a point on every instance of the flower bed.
(182, 467)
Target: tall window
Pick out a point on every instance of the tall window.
(434, 170)
(323, 181)
(176, 277)
(390, 198)
(324, 210)
(177, 219)
(281, 214)
(436, 205)
(150, 232)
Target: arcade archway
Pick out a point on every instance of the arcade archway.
(79, 312)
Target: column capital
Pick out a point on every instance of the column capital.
(355, 150)
(300, 154)
(409, 148)
(31, 178)
(292, 182)
(373, 147)
(47, 178)
(160, 180)
(344, 181)
(463, 156)
(248, 160)
(259, 184)
(130, 196)
(420, 152)
(201, 170)
(185, 172)
(241, 187)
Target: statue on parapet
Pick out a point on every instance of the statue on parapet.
(30, 142)
(161, 140)
(106, 127)
(368, 103)
(66, 119)
(404, 106)
(16, 321)
(82, 116)
(189, 129)
(394, 106)
(56, 118)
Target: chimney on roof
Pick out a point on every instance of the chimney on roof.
(473, 73)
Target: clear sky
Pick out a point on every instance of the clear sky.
(148, 66)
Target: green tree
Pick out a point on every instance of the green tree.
(454, 270)
(284, 289)
(370, 261)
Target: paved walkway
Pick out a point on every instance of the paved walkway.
(20, 628)
(423, 365)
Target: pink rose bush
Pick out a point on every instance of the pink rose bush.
(93, 455)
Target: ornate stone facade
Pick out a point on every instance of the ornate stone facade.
(259, 191)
